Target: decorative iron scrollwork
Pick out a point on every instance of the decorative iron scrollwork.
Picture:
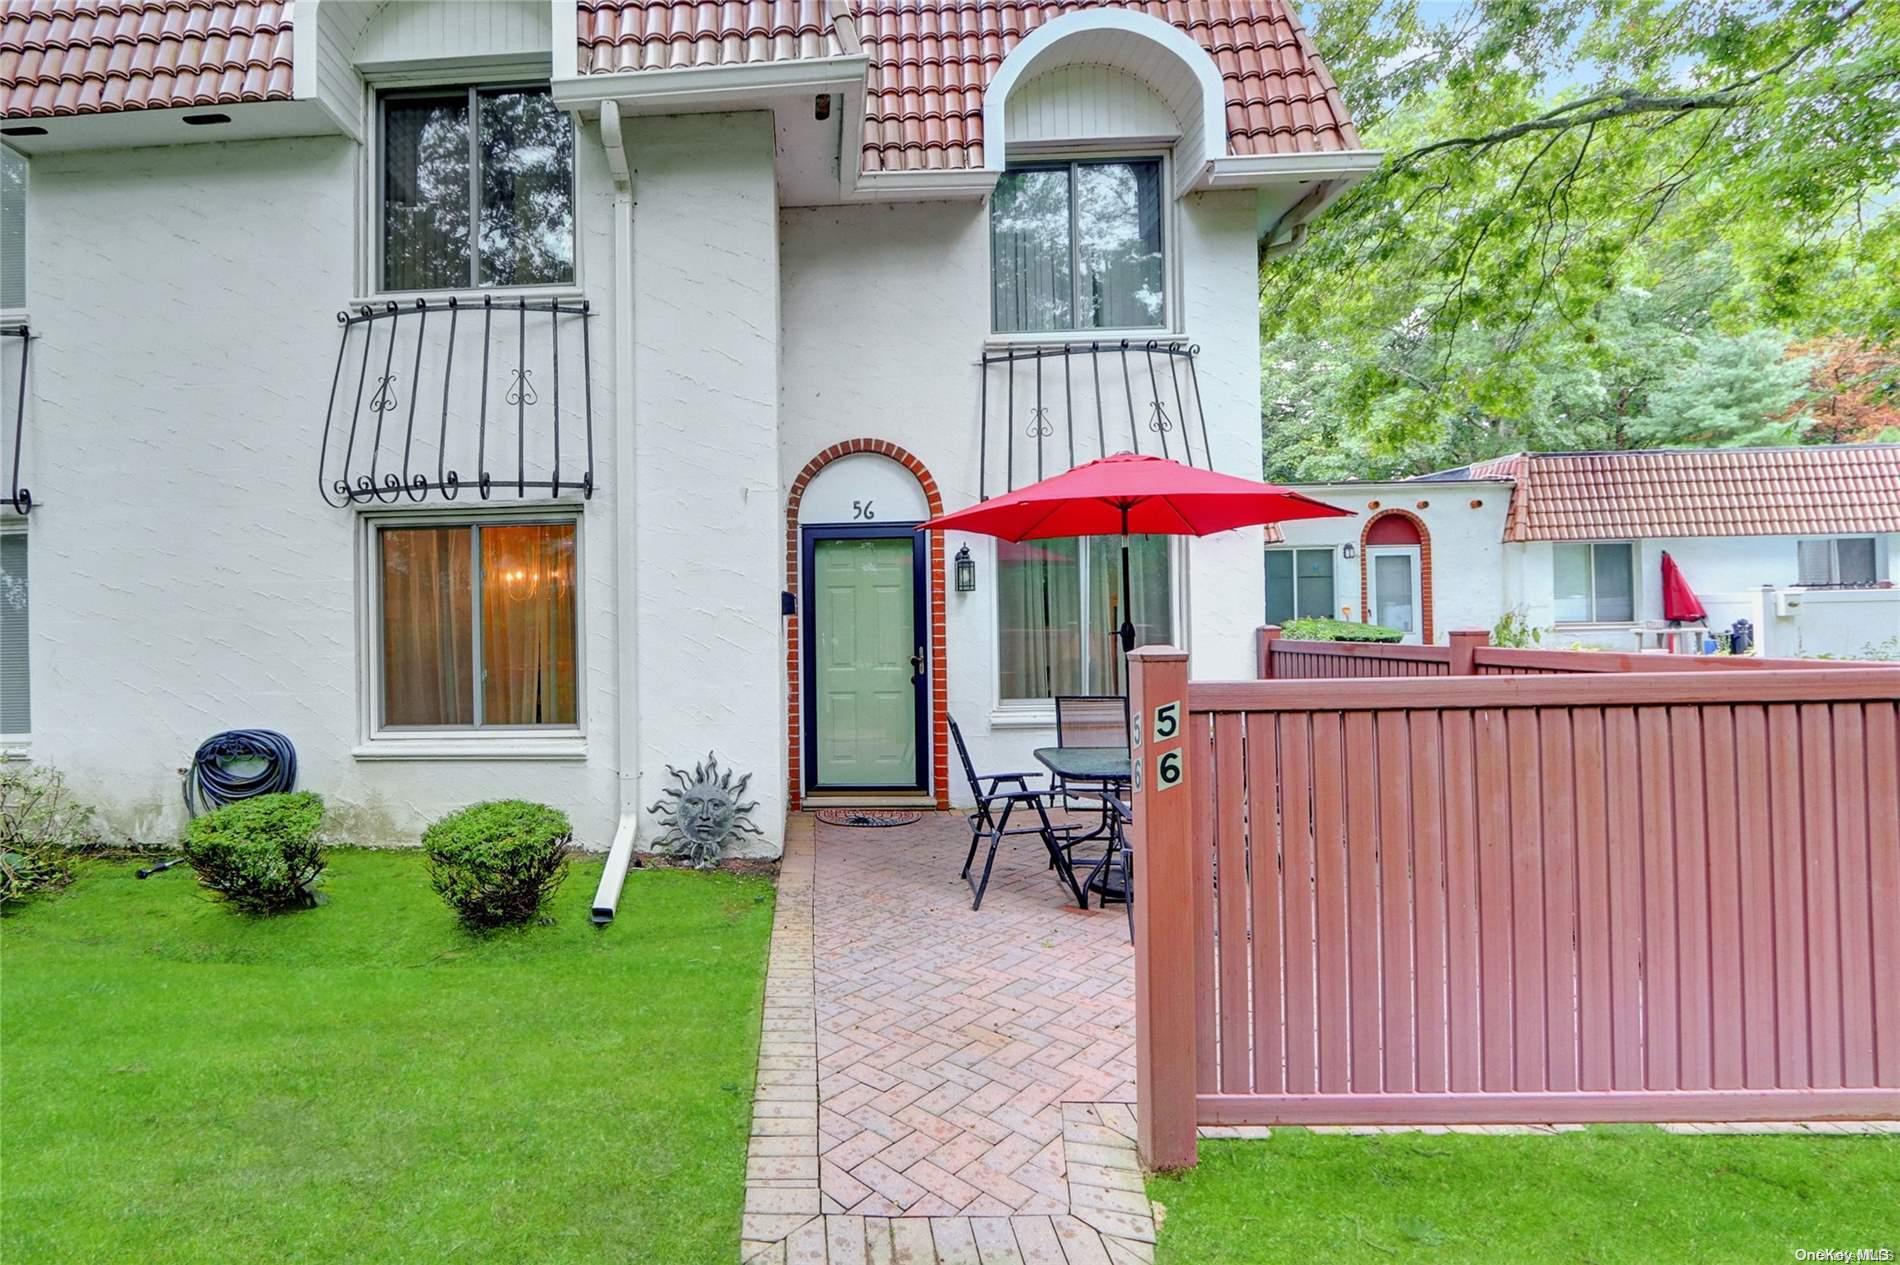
(1087, 375)
(370, 462)
(18, 497)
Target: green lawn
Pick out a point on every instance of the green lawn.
(365, 1082)
(1601, 1197)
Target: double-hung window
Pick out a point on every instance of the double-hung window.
(1059, 603)
(1299, 584)
(477, 625)
(16, 701)
(476, 189)
(1595, 583)
(1842, 560)
(1078, 246)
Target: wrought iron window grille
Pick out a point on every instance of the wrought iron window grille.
(360, 466)
(18, 497)
(1037, 402)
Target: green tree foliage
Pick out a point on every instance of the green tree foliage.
(1601, 223)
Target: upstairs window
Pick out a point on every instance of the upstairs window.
(477, 189)
(1077, 246)
(1596, 584)
(1847, 560)
(1299, 584)
(12, 229)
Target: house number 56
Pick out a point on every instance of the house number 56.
(862, 509)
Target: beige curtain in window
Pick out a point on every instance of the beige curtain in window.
(428, 626)
(528, 669)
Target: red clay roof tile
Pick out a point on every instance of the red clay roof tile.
(1820, 490)
(91, 56)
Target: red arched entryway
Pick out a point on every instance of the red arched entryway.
(1399, 527)
(939, 660)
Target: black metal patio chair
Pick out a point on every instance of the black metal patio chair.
(997, 796)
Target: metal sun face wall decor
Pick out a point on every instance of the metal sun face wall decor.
(702, 812)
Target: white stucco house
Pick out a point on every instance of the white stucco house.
(1802, 542)
(516, 397)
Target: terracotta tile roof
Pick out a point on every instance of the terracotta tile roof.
(1821, 490)
(617, 35)
(60, 57)
(930, 61)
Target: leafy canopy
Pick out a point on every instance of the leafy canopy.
(1600, 224)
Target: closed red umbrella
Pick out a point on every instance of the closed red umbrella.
(1680, 604)
(1131, 493)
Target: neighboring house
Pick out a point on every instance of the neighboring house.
(1574, 542)
(516, 397)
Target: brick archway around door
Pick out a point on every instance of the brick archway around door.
(1428, 625)
(794, 632)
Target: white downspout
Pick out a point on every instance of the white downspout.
(626, 543)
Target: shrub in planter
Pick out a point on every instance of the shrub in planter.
(1337, 630)
(41, 825)
(497, 863)
(260, 854)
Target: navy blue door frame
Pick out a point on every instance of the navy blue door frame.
(920, 635)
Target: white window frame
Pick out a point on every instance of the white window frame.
(1332, 558)
(1636, 587)
(17, 746)
(1833, 544)
(1071, 154)
(450, 742)
(1040, 713)
(473, 80)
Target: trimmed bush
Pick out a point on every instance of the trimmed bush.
(1337, 630)
(41, 825)
(497, 863)
(260, 854)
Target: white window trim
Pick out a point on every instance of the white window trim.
(20, 746)
(1172, 326)
(515, 74)
(495, 742)
(1636, 586)
(1333, 554)
(1040, 713)
(1833, 544)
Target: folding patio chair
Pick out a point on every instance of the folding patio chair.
(997, 796)
(1091, 720)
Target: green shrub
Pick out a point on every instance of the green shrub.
(260, 854)
(1337, 630)
(40, 827)
(497, 863)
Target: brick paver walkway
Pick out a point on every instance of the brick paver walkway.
(972, 1069)
(948, 1039)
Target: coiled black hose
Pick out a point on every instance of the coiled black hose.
(210, 782)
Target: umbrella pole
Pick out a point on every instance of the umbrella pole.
(1128, 593)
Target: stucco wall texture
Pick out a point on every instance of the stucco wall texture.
(188, 578)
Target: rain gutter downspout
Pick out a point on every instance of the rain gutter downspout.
(626, 530)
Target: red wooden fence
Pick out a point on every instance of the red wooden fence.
(1636, 896)
(1471, 654)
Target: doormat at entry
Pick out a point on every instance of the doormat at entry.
(866, 817)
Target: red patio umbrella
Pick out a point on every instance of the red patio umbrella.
(1131, 493)
(1680, 604)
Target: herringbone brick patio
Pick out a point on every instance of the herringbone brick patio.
(948, 1039)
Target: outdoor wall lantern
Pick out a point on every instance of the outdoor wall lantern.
(966, 571)
(1348, 552)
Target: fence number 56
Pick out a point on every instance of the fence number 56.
(1168, 770)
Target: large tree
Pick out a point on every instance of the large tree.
(1599, 224)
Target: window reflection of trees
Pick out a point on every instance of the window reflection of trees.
(524, 176)
(1077, 247)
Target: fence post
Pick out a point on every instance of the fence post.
(1263, 640)
(1464, 649)
(1164, 909)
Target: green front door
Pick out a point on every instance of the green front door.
(865, 634)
